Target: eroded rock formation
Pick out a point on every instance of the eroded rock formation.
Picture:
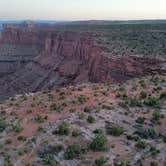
(33, 59)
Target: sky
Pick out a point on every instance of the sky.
(82, 9)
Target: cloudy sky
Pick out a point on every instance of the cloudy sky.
(82, 9)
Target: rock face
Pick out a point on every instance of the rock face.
(33, 59)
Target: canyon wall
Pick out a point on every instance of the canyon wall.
(32, 59)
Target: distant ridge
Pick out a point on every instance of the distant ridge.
(84, 22)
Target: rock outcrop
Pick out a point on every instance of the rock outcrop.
(33, 59)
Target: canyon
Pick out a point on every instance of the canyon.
(34, 59)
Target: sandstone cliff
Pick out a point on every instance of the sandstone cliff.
(45, 58)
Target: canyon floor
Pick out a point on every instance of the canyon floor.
(104, 124)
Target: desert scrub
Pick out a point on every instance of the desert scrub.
(3, 125)
(99, 143)
(140, 120)
(40, 119)
(76, 133)
(133, 102)
(48, 160)
(91, 119)
(143, 95)
(146, 133)
(113, 129)
(102, 161)
(17, 128)
(72, 151)
(83, 98)
(63, 129)
(153, 163)
(62, 96)
(156, 116)
(154, 151)
(142, 83)
(141, 144)
(21, 138)
(153, 102)
(123, 163)
(87, 109)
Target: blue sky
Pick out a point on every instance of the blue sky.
(82, 9)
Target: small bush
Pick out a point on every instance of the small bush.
(141, 144)
(99, 143)
(143, 95)
(153, 102)
(146, 133)
(91, 119)
(82, 99)
(102, 161)
(153, 163)
(2, 125)
(40, 119)
(17, 128)
(134, 103)
(123, 163)
(63, 129)
(156, 116)
(154, 151)
(76, 133)
(140, 120)
(72, 152)
(114, 130)
(87, 109)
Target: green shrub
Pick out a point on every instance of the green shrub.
(153, 102)
(123, 163)
(63, 128)
(140, 120)
(153, 163)
(154, 151)
(76, 133)
(2, 125)
(82, 99)
(102, 161)
(48, 160)
(22, 138)
(87, 109)
(17, 128)
(146, 133)
(156, 116)
(91, 119)
(134, 103)
(99, 143)
(40, 119)
(114, 130)
(141, 144)
(72, 152)
(142, 83)
(143, 95)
